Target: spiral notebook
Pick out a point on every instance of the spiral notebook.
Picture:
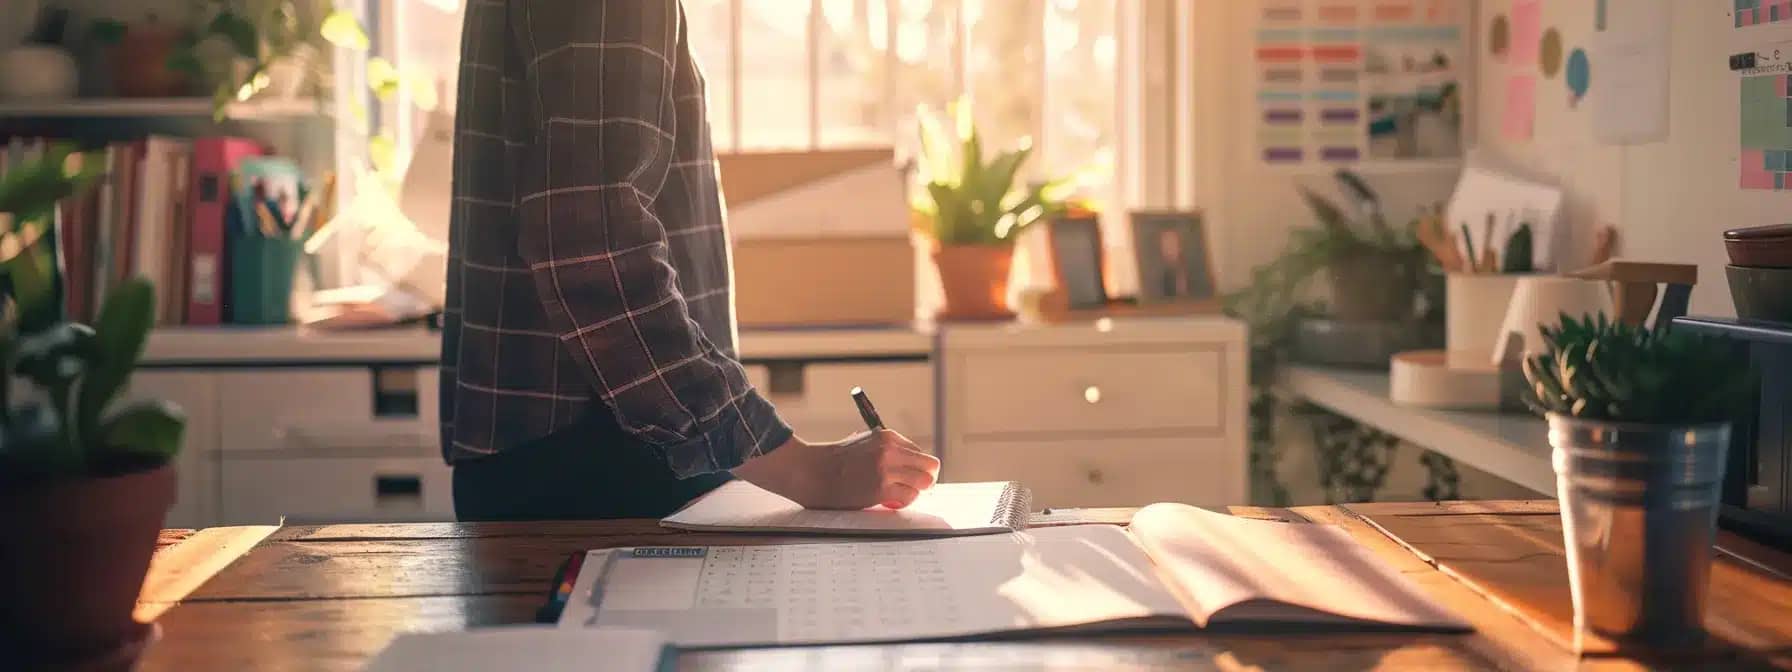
(946, 509)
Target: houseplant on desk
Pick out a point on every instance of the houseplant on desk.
(84, 482)
(970, 212)
(1640, 422)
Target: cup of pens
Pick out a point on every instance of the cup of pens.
(268, 244)
(1482, 268)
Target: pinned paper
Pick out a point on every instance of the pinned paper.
(1521, 107)
(1527, 31)
(1766, 138)
(1579, 75)
(1631, 105)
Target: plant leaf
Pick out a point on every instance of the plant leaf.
(239, 32)
(150, 430)
(121, 332)
(341, 29)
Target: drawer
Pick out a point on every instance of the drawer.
(263, 410)
(815, 398)
(261, 490)
(1108, 472)
(1086, 391)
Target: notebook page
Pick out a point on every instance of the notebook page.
(522, 647)
(875, 592)
(946, 508)
(1220, 561)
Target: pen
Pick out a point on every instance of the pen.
(866, 410)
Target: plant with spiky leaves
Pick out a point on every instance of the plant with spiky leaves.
(1597, 369)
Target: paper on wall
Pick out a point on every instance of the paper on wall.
(1630, 99)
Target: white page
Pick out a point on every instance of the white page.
(1219, 561)
(1629, 84)
(886, 591)
(538, 648)
(946, 508)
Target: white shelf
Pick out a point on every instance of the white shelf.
(1512, 446)
(156, 107)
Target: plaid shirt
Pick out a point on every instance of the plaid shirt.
(589, 265)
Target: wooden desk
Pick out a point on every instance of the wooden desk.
(329, 597)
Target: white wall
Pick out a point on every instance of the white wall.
(1671, 199)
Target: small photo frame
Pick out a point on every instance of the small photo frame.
(1075, 241)
(1174, 261)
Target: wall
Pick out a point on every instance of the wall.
(1670, 199)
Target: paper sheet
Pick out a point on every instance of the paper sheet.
(1630, 100)
(1521, 107)
(539, 648)
(944, 509)
(1527, 32)
(1759, 12)
(1764, 155)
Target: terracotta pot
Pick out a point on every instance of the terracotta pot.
(72, 562)
(1372, 288)
(975, 281)
(140, 62)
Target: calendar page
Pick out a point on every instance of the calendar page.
(863, 592)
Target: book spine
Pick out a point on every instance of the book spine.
(173, 300)
(208, 198)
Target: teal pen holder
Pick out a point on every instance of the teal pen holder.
(261, 278)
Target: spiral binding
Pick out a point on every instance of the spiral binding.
(1013, 508)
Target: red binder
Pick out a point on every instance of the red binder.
(208, 199)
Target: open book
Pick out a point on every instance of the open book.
(1176, 567)
(946, 509)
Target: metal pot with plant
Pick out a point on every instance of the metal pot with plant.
(85, 479)
(971, 211)
(1639, 420)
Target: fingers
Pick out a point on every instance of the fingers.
(898, 452)
(914, 478)
(897, 495)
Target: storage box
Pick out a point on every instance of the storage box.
(820, 238)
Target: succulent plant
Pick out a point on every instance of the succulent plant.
(1598, 369)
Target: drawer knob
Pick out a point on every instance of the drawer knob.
(1096, 477)
(1092, 394)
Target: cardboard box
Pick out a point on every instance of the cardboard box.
(820, 238)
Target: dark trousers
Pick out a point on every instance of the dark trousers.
(586, 471)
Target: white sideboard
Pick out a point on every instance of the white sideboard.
(342, 426)
(1109, 413)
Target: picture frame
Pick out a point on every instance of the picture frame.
(1175, 262)
(1074, 241)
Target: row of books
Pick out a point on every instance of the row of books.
(160, 212)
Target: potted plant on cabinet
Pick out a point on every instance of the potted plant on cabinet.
(1639, 420)
(84, 480)
(970, 212)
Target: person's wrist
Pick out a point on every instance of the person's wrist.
(779, 471)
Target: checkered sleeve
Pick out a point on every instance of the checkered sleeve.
(600, 78)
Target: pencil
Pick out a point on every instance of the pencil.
(1468, 240)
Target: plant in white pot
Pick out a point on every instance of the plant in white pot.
(1640, 422)
(84, 479)
(971, 211)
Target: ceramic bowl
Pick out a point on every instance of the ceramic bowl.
(1761, 293)
(1760, 247)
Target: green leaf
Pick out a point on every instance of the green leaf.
(107, 31)
(341, 29)
(382, 78)
(382, 152)
(57, 355)
(150, 430)
(122, 330)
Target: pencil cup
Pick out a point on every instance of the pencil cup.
(1639, 513)
(261, 274)
(1474, 305)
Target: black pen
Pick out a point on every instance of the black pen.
(866, 410)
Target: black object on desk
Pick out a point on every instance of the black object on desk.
(1757, 493)
(866, 410)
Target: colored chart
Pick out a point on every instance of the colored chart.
(1757, 12)
(1766, 157)
(1342, 80)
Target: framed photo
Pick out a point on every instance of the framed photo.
(1174, 260)
(1075, 241)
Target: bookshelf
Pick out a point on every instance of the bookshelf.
(169, 108)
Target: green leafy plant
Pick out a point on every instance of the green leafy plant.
(1598, 369)
(67, 423)
(970, 201)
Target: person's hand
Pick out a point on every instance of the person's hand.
(879, 467)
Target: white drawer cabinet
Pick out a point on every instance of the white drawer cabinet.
(1111, 413)
(196, 393)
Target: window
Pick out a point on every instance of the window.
(819, 74)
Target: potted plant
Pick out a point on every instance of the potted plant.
(1374, 268)
(84, 479)
(970, 212)
(1640, 422)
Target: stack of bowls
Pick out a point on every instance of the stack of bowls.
(1760, 272)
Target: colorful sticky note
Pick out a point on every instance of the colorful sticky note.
(1527, 31)
(1521, 107)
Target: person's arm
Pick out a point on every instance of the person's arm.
(600, 77)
